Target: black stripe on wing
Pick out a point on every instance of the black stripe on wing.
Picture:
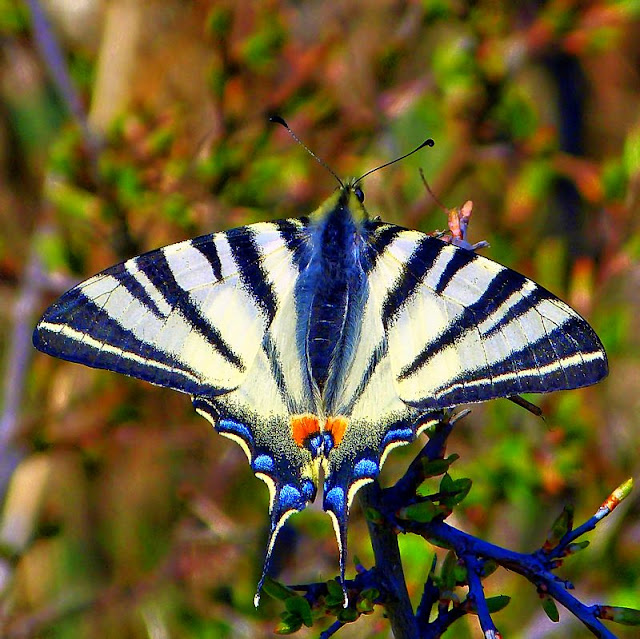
(377, 356)
(155, 266)
(97, 333)
(137, 289)
(207, 247)
(275, 364)
(296, 236)
(502, 286)
(379, 236)
(413, 272)
(555, 362)
(457, 261)
(248, 258)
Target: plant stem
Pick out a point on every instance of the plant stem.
(389, 565)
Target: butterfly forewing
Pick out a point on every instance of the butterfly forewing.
(190, 316)
(463, 328)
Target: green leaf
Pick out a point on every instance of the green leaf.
(497, 603)
(298, 605)
(621, 615)
(370, 593)
(448, 573)
(364, 605)
(347, 615)
(446, 483)
(335, 597)
(549, 606)
(436, 467)
(572, 549)
(288, 624)
(461, 488)
(277, 590)
(560, 527)
(423, 512)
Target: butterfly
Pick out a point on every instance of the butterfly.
(320, 344)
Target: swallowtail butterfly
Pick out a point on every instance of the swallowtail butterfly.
(323, 342)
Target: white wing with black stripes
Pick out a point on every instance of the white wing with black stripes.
(442, 326)
(191, 316)
(215, 317)
(462, 328)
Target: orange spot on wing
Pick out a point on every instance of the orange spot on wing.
(302, 426)
(336, 426)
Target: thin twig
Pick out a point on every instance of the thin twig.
(53, 58)
(477, 596)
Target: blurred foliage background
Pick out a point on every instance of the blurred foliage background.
(123, 514)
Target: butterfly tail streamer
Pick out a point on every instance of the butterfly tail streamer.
(278, 519)
(340, 518)
(290, 490)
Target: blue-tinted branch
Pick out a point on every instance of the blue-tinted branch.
(399, 509)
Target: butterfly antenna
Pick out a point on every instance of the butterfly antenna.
(427, 142)
(431, 193)
(278, 120)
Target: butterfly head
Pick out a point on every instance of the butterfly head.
(346, 202)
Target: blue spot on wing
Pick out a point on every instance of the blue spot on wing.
(315, 445)
(365, 468)
(226, 425)
(334, 500)
(328, 442)
(308, 490)
(396, 435)
(263, 464)
(289, 497)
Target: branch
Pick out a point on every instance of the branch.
(531, 566)
(477, 597)
(389, 566)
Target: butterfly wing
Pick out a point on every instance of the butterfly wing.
(213, 317)
(190, 316)
(462, 328)
(443, 326)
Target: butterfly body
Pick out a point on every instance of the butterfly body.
(324, 342)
